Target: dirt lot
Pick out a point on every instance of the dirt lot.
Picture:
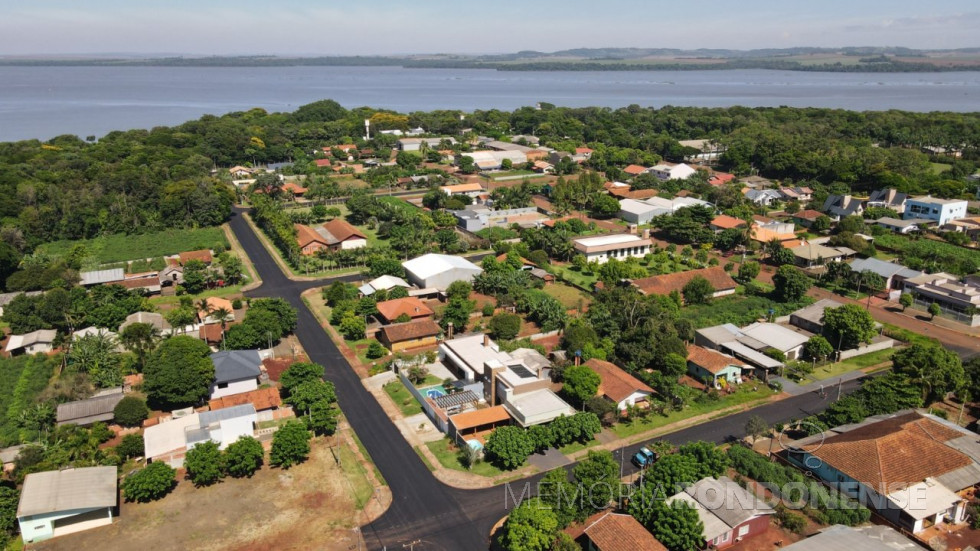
(311, 506)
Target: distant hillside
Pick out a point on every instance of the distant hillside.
(848, 59)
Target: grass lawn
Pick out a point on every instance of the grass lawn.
(361, 487)
(582, 279)
(403, 398)
(570, 297)
(223, 292)
(445, 451)
(907, 336)
(939, 168)
(366, 455)
(122, 247)
(850, 364)
(744, 395)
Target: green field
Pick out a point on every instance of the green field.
(403, 398)
(122, 247)
(744, 395)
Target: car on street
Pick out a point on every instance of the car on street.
(644, 457)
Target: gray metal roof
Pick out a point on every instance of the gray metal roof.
(727, 500)
(814, 312)
(865, 538)
(92, 407)
(235, 365)
(102, 276)
(882, 268)
(457, 399)
(5, 298)
(53, 491)
(207, 418)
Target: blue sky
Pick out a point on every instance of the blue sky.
(332, 27)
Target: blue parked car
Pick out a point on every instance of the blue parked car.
(644, 457)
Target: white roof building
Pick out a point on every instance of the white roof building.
(98, 277)
(439, 270)
(672, 172)
(619, 246)
(538, 407)
(170, 440)
(382, 283)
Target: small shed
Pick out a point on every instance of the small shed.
(55, 503)
(91, 410)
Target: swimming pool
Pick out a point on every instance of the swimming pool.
(434, 392)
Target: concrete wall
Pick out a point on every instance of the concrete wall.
(234, 387)
(42, 527)
(439, 422)
(867, 348)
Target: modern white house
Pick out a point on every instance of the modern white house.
(672, 172)
(55, 503)
(933, 208)
(537, 407)
(619, 246)
(437, 271)
(235, 372)
(169, 440)
(888, 198)
(493, 160)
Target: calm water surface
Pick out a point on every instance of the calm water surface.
(42, 102)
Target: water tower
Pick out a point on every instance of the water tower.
(367, 129)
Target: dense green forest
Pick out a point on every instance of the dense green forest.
(137, 181)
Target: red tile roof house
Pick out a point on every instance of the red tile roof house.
(730, 513)
(807, 217)
(618, 386)
(709, 365)
(413, 334)
(720, 178)
(664, 284)
(635, 170)
(605, 531)
(390, 310)
(204, 255)
(725, 222)
(910, 468)
(334, 235)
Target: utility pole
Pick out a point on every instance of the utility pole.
(840, 386)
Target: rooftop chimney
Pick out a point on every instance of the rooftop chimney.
(646, 233)
(486, 340)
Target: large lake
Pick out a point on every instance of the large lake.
(42, 102)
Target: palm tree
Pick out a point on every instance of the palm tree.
(223, 314)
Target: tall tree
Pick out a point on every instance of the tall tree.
(179, 372)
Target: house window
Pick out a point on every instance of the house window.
(723, 538)
(743, 531)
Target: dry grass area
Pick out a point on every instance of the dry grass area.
(310, 506)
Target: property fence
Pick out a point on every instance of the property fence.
(430, 411)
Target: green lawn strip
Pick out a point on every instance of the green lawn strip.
(578, 446)
(361, 486)
(738, 310)
(447, 458)
(425, 459)
(123, 247)
(403, 398)
(367, 456)
(743, 396)
(907, 336)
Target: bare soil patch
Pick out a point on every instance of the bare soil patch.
(310, 506)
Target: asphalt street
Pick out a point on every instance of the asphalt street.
(425, 512)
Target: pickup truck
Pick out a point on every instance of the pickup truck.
(644, 457)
